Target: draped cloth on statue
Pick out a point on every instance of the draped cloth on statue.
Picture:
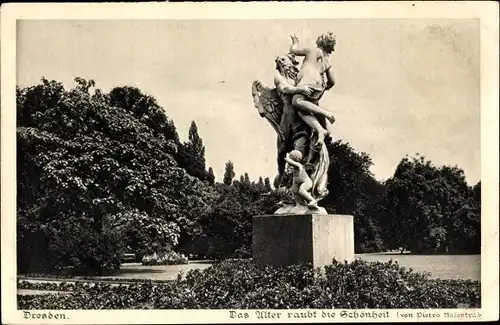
(320, 175)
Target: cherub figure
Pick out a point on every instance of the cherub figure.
(312, 75)
(302, 183)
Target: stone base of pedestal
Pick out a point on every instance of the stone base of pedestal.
(307, 238)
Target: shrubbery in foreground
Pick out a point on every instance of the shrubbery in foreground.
(244, 285)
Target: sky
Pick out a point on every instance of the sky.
(404, 86)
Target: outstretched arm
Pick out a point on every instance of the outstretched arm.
(296, 48)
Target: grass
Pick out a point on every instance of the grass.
(467, 267)
(439, 266)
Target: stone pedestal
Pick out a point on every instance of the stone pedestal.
(292, 239)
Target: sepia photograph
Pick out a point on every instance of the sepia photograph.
(285, 169)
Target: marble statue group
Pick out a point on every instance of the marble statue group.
(292, 108)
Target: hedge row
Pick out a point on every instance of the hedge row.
(244, 285)
(46, 286)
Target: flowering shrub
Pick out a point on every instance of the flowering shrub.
(165, 258)
(244, 285)
(54, 286)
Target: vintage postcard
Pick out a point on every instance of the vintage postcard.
(291, 162)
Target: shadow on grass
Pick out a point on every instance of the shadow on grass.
(202, 261)
(137, 270)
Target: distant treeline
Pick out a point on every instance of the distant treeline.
(104, 173)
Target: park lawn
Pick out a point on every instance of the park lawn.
(466, 267)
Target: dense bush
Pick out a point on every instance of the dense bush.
(242, 284)
(71, 246)
(164, 258)
(227, 229)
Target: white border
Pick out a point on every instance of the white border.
(486, 11)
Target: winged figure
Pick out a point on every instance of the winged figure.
(269, 105)
(292, 128)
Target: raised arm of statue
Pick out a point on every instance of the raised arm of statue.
(296, 48)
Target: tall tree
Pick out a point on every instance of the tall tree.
(193, 154)
(229, 173)
(94, 177)
(477, 192)
(246, 178)
(195, 140)
(211, 176)
(267, 184)
(431, 209)
(144, 107)
(353, 190)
